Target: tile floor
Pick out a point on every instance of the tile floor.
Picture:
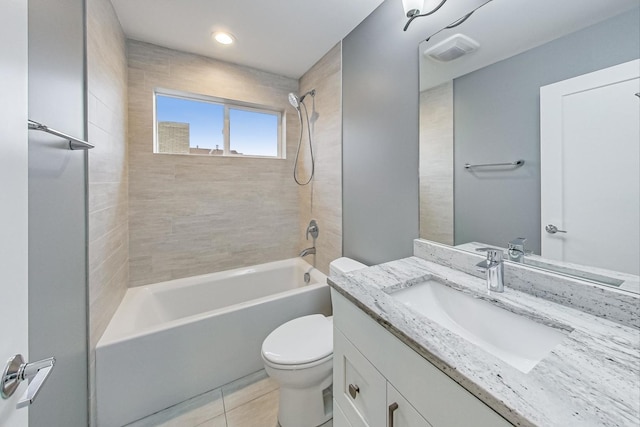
(251, 401)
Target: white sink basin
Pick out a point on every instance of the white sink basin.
(517, 340)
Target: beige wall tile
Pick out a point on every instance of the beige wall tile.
(191, 215)
(436, 164)
(108, 236)
(322, 199)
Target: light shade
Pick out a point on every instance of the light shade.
(412, 7)
(223, 38)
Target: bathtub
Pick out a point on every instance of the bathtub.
(171, 341)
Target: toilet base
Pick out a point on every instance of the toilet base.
(306, 407)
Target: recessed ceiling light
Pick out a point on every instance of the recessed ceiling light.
(223, 37)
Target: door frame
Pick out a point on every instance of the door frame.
(13, 196)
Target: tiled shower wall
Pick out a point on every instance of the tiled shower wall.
(322, 198)
(107, 171)
(191, 215)
(436, 164)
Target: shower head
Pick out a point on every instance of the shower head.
(294, 101)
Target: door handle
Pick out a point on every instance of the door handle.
(16, 371)
(552, 229)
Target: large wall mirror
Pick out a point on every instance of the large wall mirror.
(530, 134)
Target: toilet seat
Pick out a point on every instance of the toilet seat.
(300, 343)
(298, 367)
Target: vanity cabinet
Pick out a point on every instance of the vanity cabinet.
(364, 395)
(378, 381)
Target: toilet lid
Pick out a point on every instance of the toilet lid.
(299, 341)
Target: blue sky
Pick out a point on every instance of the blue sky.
(251, 133)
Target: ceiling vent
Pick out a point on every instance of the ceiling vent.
(452, 48)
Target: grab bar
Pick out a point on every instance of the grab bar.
(516, 164)
(74, 143)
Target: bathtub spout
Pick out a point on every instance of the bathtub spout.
(308, 251)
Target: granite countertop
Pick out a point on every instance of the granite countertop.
(592, 378)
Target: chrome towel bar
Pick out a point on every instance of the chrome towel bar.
(515, 164)
(74, 143)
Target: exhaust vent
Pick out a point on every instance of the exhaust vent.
(452, 48)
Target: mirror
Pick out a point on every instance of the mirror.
(514, 155)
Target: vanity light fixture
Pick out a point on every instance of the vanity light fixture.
(223, 37)
(412, 8)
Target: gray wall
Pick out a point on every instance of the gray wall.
(380, 131)
(380, 150)
(497, 112)
(57, 206)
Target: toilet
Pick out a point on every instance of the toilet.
(299, 356)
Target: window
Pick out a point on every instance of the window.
(197, 124)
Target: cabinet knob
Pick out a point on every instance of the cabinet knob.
(392, 409)
(353, 390)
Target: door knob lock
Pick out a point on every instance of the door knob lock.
(16, 371)
(552, 229)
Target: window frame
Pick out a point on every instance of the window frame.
(227, 104)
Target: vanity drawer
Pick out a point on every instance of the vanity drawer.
(359, 389)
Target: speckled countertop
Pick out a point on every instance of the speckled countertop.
(592, 378)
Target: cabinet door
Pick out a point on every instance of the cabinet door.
(339, 418)
(400, 413)
(358, 388)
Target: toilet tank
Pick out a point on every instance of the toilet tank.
(344, 265)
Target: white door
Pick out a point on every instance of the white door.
(13, 197)
(590, 175)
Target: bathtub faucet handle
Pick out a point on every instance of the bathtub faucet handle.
(313, 229)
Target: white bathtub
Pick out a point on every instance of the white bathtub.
(170, 341)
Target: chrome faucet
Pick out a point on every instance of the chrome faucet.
(312, 229)
(308, 251)
(494, 268)
(516, 249)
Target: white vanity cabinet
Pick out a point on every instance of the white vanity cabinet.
(378, 381)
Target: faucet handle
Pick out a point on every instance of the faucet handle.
(313, 229)
(494, 257)
(517, 243)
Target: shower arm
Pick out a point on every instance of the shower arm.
(312, 92)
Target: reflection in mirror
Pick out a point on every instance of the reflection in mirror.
(551, 84)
